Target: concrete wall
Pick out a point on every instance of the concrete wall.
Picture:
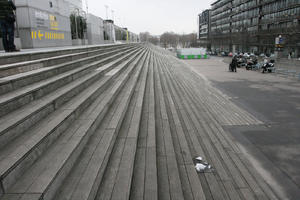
(42, 24)
(94, 30)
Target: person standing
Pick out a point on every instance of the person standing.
(7, 24)
(234, 64)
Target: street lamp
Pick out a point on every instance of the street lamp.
(106, 7)
(112, 15)
(76, 27)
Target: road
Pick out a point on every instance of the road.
(274, 147)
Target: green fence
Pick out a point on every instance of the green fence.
(205, 56)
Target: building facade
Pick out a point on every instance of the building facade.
(74, 4)
(204, 29)
(48, 23)
(253, 25)
(45, 23)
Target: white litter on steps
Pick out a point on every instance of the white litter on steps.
(202, 166)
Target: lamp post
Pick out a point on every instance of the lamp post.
(106, 7)
(112, 15)
(87, 6)
(76, 27)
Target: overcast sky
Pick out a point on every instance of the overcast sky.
(155, 16)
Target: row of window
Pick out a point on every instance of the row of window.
(279, 5)
(222, 21)
(221, 15)
(236, 29)
(245, 22)
(247, 14)
(245, 6)
(221, 9)
(220, 3)
(282, 25)
(242, 29)
(237, 2)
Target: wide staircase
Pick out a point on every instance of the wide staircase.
(117, 122)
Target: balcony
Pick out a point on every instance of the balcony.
(279, 19)
(281, 31)
(276, 10)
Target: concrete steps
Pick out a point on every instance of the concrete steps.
(14, 123)
(10, 83)
(44, 178)
(120, 168)
(214, 147)
(144, 180)
(46, 53)
(24, 95)
(29, 64)
(119, 122)
(93, 162)
(22, 148)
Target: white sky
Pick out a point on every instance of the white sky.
(155, 16)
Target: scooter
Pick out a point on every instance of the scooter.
(242, 61)
(268, 66)
(251, 63)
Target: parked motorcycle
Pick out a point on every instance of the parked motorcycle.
(242, 61)
(268, 66)
(251, 62)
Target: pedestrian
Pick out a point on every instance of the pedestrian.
(234, 64)
(7, 24)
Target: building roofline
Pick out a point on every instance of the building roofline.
(204, 11)
(215, 2)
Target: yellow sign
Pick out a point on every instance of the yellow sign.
(40, 35)
(47, 35)
(53, 22)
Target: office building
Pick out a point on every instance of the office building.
(253, 25)
(204, 28)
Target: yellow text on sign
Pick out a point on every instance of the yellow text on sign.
(53, 22)
(40, 35)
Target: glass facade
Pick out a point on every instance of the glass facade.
(204, 28)
(253, 25)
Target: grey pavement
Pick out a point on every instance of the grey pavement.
(275, 100)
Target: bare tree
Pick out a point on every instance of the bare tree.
(171, 39)
(154, 40)
(145, 36)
